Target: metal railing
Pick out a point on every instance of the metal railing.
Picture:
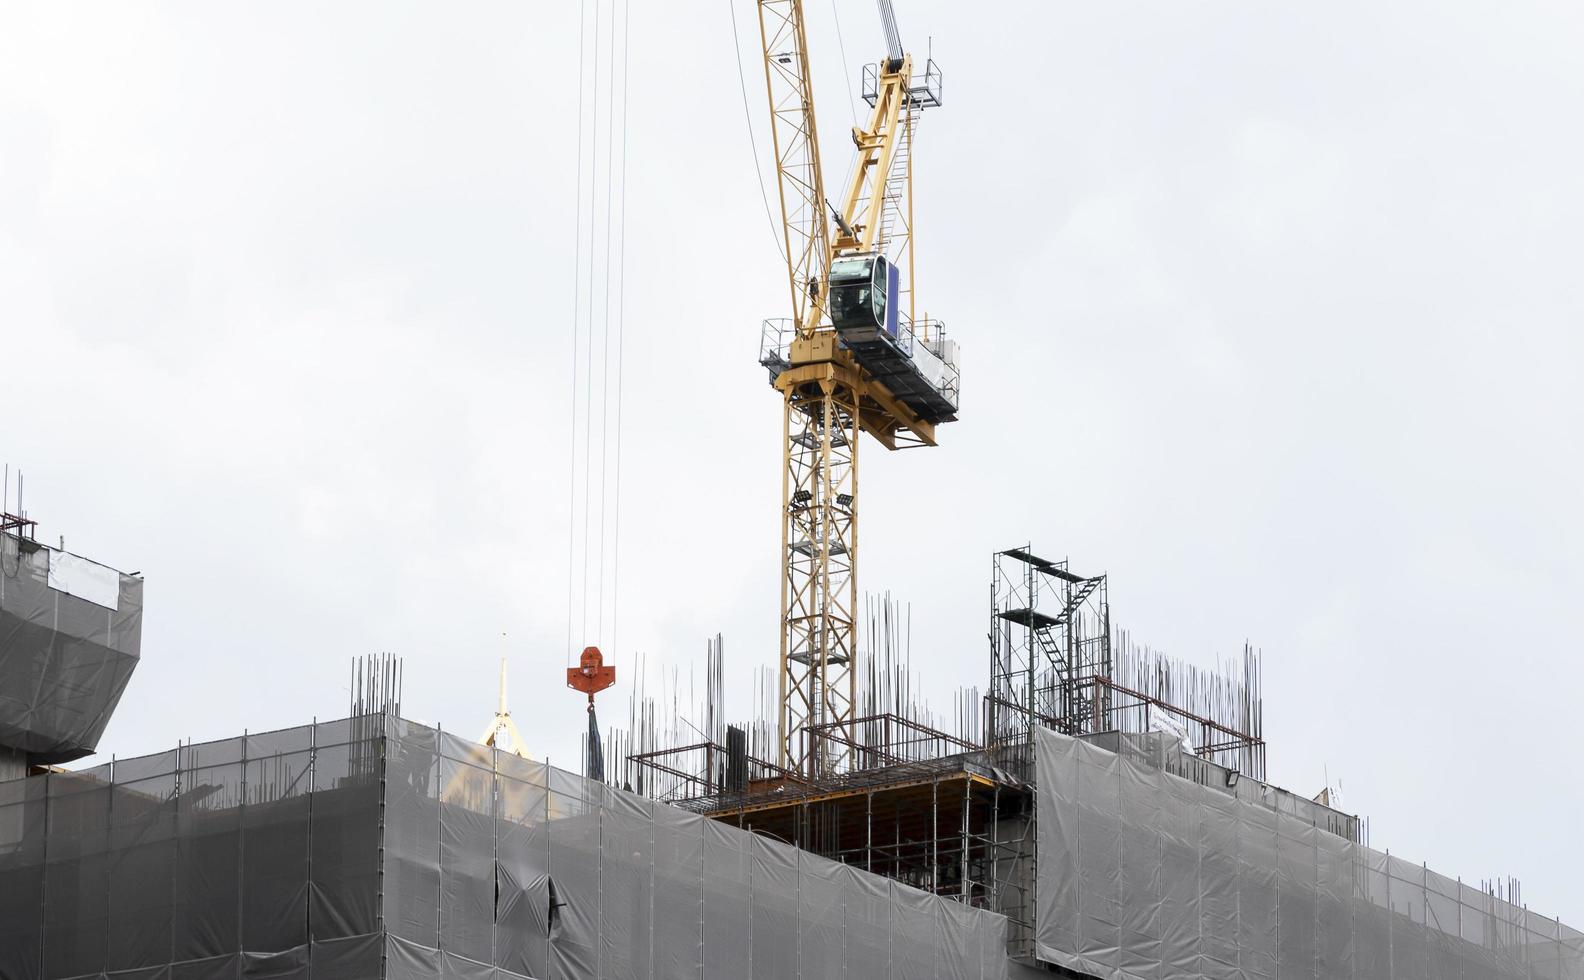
(927, 356)
(775, 352)
(775, 345)
(924, 88)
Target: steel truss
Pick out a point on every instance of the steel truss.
(819, 585)
(1050, 642)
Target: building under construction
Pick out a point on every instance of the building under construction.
(1109, 804)
(1098, 810)
(1101, 815)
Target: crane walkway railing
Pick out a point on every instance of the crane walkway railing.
(924, 87)
(930, 359)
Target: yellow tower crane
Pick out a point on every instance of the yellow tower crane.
(852, 358)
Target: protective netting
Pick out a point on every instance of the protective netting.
(498, 867)
(249, 857)
(1144, 874)
(64, 660)
(374, 847)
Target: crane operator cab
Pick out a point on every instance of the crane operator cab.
(862, 293)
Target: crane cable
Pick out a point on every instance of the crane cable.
(591, 312)
(753, 144)
(577, 252)
(610, 182)
(621, 323)
(588, 388)
(852, 103)
(841, 46)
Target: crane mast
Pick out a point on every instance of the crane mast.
(862, 369)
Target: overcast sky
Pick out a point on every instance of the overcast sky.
(1270, 311)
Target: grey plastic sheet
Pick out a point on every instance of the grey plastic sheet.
(679, 894)
(246, 858)
(821, 933)
(379, 848)
(64, 661)
(599, 883)
(627, 896)
(75, 907)
(1144, 875)
(522, 849)
(866, 911)
(727, 873)
(22, 870)
(343, 857)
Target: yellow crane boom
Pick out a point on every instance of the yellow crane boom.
(795, 142)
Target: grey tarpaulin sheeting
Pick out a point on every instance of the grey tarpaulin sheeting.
(597, 883)
(246, 858)
(13, 763)
(64, 661)
(1142, 874)
(260, 857)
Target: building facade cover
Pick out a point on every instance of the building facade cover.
(70, 636)
(1144, 875)
(375, 847)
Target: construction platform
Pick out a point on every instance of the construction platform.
(917, 806)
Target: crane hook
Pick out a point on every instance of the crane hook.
(590, 675)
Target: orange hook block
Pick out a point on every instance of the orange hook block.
(590, 675)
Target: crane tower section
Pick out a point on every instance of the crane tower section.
(852, 358)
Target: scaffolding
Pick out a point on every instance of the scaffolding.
(944, 804)
(919, 800)
(1050, 642)
(1057, 663)
(953, 825)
